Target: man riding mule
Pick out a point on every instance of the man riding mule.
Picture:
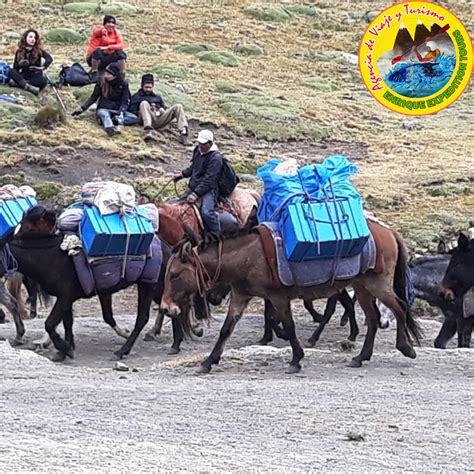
(205, 175)
(240, 262)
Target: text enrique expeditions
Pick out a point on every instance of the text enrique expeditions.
(447, 92)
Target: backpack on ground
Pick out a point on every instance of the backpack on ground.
(4, 68)
(228, 179)
(74, 75)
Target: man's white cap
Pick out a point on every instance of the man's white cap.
(205, 136)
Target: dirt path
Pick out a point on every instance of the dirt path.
(247, 415)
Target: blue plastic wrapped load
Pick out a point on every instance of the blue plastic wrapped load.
(12, 212)
(324, 229)
(115, 234)
(318, 209)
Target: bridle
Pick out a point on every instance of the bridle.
(203, 280)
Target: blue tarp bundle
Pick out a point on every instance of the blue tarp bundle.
(416, 79)
(329, 179)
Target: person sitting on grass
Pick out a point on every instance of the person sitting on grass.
(113, 94)
(30, 62)
(152, 112)
(105, 47)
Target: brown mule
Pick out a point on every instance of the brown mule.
(239, 261)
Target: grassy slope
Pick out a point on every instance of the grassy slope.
(301, 87)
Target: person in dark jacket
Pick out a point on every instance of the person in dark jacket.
(113, 95)
(204, 174)
(30, 62)
(152, 112)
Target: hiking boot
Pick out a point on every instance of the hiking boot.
(34, 90)
(111, 131)
(150, 136)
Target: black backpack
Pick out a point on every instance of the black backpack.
(74, 75)
(228, 179)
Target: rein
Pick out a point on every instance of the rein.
(203, 279)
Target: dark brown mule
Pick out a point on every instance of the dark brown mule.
(239, 261)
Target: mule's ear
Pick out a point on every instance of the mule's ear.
(190, 235)
(441, 249)
(463, 241)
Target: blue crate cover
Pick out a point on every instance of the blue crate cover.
(12, 212)
(115, 235)
(325, 229)
(312, 182)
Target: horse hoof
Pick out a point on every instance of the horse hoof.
(203, 370)
(293, 369)
(355, 364)
(408, 351)
(344, 321)
(384, 324)
(17, 342)
(263, 342)
(70, 353)
(174, 351)
(58, 357)
(310, 343)
(117, 356)
(352, 338)
(149, 337)
(198, 332)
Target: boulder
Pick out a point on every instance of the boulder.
(267, 13)
(82, 8)
(64, 36)
(118, 8)
(224, 58)
(248, 49)
(190, 48)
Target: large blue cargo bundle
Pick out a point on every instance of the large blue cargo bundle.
(318, 209)
(12, 212)
(323, 229)
(115, 234)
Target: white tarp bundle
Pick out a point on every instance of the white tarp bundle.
(109, 197)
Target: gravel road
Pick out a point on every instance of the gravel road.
(394, 414)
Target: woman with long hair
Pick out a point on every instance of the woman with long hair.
(30, 61)
(113, 93)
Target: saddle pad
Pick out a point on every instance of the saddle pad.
(318, 272)
(105, 273)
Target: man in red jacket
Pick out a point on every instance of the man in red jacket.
(105, 47)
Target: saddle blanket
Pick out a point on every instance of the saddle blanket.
(104, 273)
(318, 272)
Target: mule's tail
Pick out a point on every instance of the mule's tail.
(14, 288)
(400, 285)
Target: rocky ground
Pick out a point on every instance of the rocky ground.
(394, 414)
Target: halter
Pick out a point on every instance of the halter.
(203, 279)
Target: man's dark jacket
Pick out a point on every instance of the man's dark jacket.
(205, 171)
(140, 96)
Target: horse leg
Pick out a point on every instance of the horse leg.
(289, 326)
(345, 318)
(447, 332)
(237, 306)
(10, 303)
(156, 329)
(464, 328)
(328, 312)
(178, 336)
(403, 343)
(108, 316)
(145, 297)
(32, 289)
(348, 304)
(268, 327)
(367, 302)
(67, 323)
(317, 317)
(61, 307)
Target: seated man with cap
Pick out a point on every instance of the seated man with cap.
(204, 174)
(151, 110)
(105, 47)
